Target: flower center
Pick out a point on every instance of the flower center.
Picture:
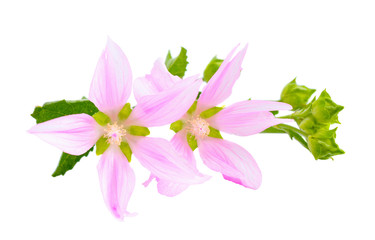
(198, 127)
(114, 133)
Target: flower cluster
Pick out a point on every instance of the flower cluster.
(118, 131)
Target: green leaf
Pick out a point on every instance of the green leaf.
(211, 68)
(191, 141)
(177, 66)
(192, 108)
(101, 118)
(138, 131)
(177, 126)
(323, 145)
(51, 110)
(214, 133)
(325, 110)
(126, 150)
(67, 162)
(125, 112)
(210, 112)
(101, 145)
(296, 95)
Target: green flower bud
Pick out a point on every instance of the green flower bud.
(325, 110)
(310, 126)
(322, 144)
(296, 95)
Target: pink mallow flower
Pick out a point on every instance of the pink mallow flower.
(117, 130)
(201, 125)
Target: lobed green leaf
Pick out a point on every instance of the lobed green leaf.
(211, 68)
(177, 66)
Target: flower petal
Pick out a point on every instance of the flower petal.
(73, 134)
(232, 160)
(163, 161)
(220, 85)
(159, 80)
(117, 181)
(112, 82)
(166, 106)
(179, 142)
(248, 117)
(167, 188)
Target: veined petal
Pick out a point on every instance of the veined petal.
(159, 80)
(167, 188)
(232, 160)
(180, 143)
(220, 85)
(166, 106)
(248, 117)
(163, 161)
(112, 82)
(73, 134)
(117, 181)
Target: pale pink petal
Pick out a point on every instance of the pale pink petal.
(171, 189)
(167, 188)
(112, 81)
(179, 142)
(248, 117)
(220, 85)
(163, 161)
(159, 80)
(167, 106)
(73, 134)
(117, 181)
(232, 160)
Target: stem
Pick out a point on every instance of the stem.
(287, 117)
(288, 127)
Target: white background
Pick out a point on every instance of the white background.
(48, 51)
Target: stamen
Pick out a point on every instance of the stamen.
(114, 133)
(198, 127)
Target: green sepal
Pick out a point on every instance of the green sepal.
(52, 110)
(192, 108)
(211, 68)
(67, 162)
(126, 150)
(296, 95)
(125, 112)
(325, 110)
(177, 126)
(101, 145)
(138, 131)
(210, 112)
(323, 145)
(101, 118)
(193, 144)
(214, 133)
(177, 66)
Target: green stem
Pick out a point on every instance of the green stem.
(287, 117)
(288, 127)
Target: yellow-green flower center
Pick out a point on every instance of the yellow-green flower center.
(198, 127)
(114, 133)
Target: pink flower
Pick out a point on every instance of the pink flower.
(110, 90)
(242, 118)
